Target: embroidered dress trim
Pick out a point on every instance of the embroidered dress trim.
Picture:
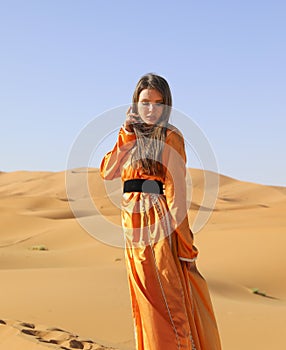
(126, 131)
(187, 260)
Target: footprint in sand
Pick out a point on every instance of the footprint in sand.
(55, 337)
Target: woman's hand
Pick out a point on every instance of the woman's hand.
(131, 118)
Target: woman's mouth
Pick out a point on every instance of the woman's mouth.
(151, 118)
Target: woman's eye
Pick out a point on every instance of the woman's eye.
(157, 104)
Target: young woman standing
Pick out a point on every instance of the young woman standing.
(170, 300)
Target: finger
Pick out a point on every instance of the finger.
(129, 110)
(129, 119)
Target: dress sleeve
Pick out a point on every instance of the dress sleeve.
(112, 162)
(174, 160)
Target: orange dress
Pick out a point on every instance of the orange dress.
(170, 300)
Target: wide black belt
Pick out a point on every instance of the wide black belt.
(142, 185)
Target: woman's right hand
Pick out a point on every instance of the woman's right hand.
(131, 118)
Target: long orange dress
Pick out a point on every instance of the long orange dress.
(170, 300)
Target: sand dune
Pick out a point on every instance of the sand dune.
(62, 288)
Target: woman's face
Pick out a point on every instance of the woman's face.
(150, 106)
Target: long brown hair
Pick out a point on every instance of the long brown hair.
(150, 139)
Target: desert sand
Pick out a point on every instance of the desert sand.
(64, 287)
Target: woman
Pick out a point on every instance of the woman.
(170, 300)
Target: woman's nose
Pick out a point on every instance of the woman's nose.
(151, 107)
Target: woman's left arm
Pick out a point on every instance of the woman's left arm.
(174, 160)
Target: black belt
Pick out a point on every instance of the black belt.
(141, 185)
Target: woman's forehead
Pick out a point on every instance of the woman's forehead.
(150, 95)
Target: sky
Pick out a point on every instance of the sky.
(64, 63)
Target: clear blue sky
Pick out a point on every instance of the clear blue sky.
(63, 62)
